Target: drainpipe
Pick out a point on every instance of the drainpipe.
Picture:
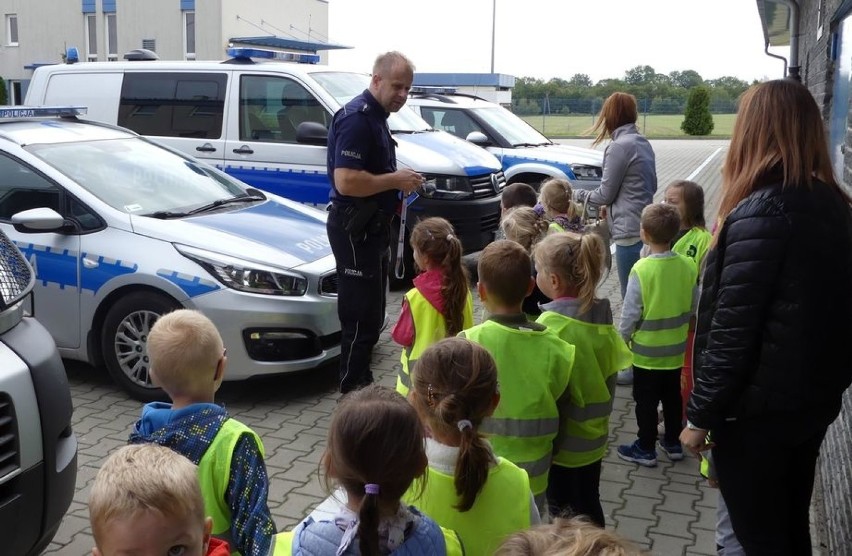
(771, 55)
(793, 70)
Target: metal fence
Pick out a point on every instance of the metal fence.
(591, 106)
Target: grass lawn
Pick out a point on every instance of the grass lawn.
(653, 126)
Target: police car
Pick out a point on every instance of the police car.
(120, 230)
(526, 155)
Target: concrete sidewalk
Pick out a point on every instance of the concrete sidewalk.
(668, 509)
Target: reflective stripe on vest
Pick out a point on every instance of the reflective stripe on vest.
(600, 354)
(214, 473)
(667, 284)
(694, 245)
(490, 519)
(429, 327)
(533, 367)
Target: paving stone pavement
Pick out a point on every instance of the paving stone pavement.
(668, 509)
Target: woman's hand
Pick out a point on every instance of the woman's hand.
(695, 440)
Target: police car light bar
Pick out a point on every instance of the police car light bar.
(248, 53)
(16, 112)
(423, 89)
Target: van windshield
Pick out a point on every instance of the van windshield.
(344, 86)
(138, 177)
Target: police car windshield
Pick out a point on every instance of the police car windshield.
(138, 177)
(515, 130)
(344, 86)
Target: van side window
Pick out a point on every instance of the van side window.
(173, 104)
(271, 108)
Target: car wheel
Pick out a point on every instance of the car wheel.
(124, 340)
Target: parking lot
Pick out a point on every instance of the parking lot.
(667, 509)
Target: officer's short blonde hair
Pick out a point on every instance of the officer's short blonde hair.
(144, 477)
(566, 537)
(386, 62)
(184, 349)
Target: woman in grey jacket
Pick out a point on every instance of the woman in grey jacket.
(629, 178)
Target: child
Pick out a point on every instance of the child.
(516, 195)
(555, 198)
(440, 303)
(524, 226)
(693, 239)
(188, 362)
(569, 269)
(146, 500)
(374, 452)
(533, 365)
(567, 537)
(658, 305)
(466, 486)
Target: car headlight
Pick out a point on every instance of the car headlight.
(448, 187)
(245, 276)
(586, 172)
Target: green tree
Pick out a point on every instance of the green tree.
(640, 75)
(697, 119)
(580, 80)
(4, 98)
(686, 79)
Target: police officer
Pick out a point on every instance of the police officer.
(364, 197)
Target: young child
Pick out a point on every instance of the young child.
(188, 362)
(375, 450)
(567, 537)
(658, 304)
(146, 500)
(440, 303)
(533, 365)
(569, 269)
(523, 225)
(555, 198)
(693, 239)
(466, 486)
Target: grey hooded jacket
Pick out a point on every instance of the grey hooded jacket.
(629, 181)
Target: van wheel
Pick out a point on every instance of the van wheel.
(124, 341)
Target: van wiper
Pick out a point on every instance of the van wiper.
(530, 144)
(165, 214)
(230, 200)
(405, 131)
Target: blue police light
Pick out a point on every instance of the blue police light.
(425, 90)
(243, 53)
(18, 112)
(71, 55)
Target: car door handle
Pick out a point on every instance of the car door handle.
(206, 148)
(243, 150)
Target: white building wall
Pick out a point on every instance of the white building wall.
(160, 20)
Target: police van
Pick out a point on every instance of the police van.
(263, 119)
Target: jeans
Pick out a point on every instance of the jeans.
(362, 275)
(576, 491)
(625, 257)
(650, 387)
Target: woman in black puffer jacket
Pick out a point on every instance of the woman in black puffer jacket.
(775, 318)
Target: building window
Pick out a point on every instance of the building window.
(11, 30)
(92, 37)
(189, 35)
(111, 36)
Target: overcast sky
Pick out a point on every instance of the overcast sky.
(556, 38)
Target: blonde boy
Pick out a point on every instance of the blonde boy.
(533, 365)
(188, 362)
(146, 500)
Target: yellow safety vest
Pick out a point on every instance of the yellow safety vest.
(533, 368)
(600, 354)
(694, 245)
(502, 507)
(667, 284)
(553, 227)
(214, 472)
(429, 327)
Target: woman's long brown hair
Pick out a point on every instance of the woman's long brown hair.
(618, 109)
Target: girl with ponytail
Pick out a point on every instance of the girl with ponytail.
(467, 488)
(374, 453)
(569, 268)
(440, 303)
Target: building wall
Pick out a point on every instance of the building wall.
(161, 20)
(834, 483)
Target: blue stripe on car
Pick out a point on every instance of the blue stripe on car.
(107, 269)
(52, 267)
(299, 185)
(510, 160)
(193, 286)
(473, 162)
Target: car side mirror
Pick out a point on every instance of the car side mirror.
(312, 133)
(478, 138)
(39, 220)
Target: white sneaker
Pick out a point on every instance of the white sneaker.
(625, 377)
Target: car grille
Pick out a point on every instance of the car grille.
(15, 273)
(9, 457)
(484, 187)
(328, 284)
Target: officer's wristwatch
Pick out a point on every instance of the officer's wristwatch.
(692, 427)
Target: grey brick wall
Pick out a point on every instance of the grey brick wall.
(834, 477)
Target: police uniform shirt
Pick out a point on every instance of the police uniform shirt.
(360, 139)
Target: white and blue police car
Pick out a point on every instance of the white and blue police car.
(525, 154)
(120, 230)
